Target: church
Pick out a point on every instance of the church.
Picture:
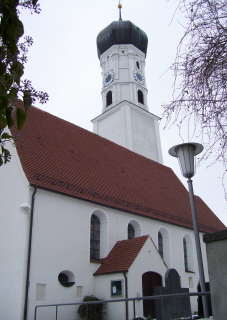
(101, 214)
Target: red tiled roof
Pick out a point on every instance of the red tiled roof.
(60, 156)
(121, 256)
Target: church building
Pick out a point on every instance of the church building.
(101, 214)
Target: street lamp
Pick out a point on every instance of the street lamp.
(185, 153)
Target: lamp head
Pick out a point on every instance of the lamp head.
(25, 208)
(185, 153)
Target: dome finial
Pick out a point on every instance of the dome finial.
(120, 6)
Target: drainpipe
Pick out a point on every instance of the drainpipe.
(126, 295)
(29, 255)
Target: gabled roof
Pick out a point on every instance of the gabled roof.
(62, 157)
(121, 256)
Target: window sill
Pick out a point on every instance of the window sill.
(96, 261)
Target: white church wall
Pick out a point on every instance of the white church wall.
(124, 91)
(147, 260)
(111, 126)
(118, 221)
(13, 234)
(132, 128)
(61, 241)
(122, 60)
(159, 148)
(144, 135)
(114, 310)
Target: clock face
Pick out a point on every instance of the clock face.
(108, 78)
(138, 76)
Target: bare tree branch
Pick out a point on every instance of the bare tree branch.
(200, 71)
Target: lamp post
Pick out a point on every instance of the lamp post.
(185, 153)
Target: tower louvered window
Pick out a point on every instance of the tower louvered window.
(140, 97)
(95, 238)
(109, 99)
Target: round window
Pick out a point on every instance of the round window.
(66, 278)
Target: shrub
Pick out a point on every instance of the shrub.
(95, 311)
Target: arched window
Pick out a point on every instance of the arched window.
(140, 96)
(160, 244)
(188, 253)
(98, 235)
(134, 229)
(185, 255)
(109, 99)
(164, 245)
(95, 238)
(131, 231)
(138, 64)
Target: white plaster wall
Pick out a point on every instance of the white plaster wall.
(132, 128)
(148, 259)
(118, 221)
(114, 310)
(110, 127)
(61, 241)
(144, 136)
(13, 235)
(122, 60)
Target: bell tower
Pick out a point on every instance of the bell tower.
(125, 118)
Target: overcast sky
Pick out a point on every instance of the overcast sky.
(63, 62)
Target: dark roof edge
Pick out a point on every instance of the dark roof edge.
(217, 236)
(103, 273)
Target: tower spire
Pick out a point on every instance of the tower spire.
(120, 6)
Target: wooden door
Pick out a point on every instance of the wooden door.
(149, 281)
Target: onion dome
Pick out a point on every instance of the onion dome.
(121, 32)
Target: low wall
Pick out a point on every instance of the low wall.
(216, 247)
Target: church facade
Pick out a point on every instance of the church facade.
(106, 217)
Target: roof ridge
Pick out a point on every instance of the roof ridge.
(133, 239)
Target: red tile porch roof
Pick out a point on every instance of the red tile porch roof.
(62, 157)
(121, 256)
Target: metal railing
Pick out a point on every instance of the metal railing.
(118, 300)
